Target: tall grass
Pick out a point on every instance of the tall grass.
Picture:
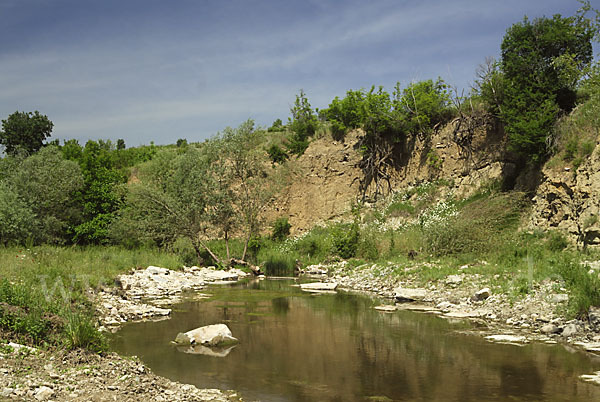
(43, 291)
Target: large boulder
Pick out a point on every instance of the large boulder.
(409, 295)
(210, 335)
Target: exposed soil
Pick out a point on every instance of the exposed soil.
(83, 376)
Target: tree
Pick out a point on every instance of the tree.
(25, 131)
(16, 218)
(100, 195)
(303, 124)
(47, 184)
(251, 187)
(120, 144)
(542, 62)
(173, 198)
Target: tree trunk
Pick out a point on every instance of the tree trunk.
(246, 246)
(255, 269)
(204, 246)
(227, 244)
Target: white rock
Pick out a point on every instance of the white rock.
(595, 378)
(482, 294)
(589, 346)
(454, 280)
(444, 306)
(407, 294)
(505, 338)
(210, 335)
(569, 330)
(386, 308)
(559, 298)
(319, 286)
(43, 393)
(152, 270)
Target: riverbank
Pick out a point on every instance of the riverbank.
(78, 375)
(503, 313)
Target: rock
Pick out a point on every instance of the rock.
(569, 330)
(210, 335)
(550, 329)
(482, 294)
(406, 294)
(386, 308)
(18, 347)
(6, 392)
(43, 393)
(594, 317)
(595, 378)
(559, 298)
(589, 346)
(454, 280)
(462, 314)
(318, 286)
(444, 306)
(512, 339)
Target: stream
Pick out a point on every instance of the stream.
(298, 346)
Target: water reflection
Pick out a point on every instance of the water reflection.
(301, 347)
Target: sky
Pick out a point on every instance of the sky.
(153, 70)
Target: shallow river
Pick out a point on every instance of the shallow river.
(296, 346)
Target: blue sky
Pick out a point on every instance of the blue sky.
(150, 70)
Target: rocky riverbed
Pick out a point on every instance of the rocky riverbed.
(35, 375)
(143, 294)
(537, 315)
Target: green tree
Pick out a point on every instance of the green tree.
(25, 131)
(303, 124)
(425, 105)
(101, 196)
(173, 199)
(17, 220)
(252, 188)
(47, 184)
(542, 62)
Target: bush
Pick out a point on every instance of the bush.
(281, 229)
(556, 241)
(584, 288)
(345, 239)
(277, 154)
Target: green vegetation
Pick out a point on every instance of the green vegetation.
(542, 62)
(25, 132)
(44, 290)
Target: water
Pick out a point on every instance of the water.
(336, 347)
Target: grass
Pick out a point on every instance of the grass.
(43, 291)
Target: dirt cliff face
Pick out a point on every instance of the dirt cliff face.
(569, 201)
(325, 179)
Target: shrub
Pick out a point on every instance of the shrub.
(584, 288)
(277, 154)
(556, 241)
(281, 229)
(345, 239)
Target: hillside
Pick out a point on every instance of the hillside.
(324, 182)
